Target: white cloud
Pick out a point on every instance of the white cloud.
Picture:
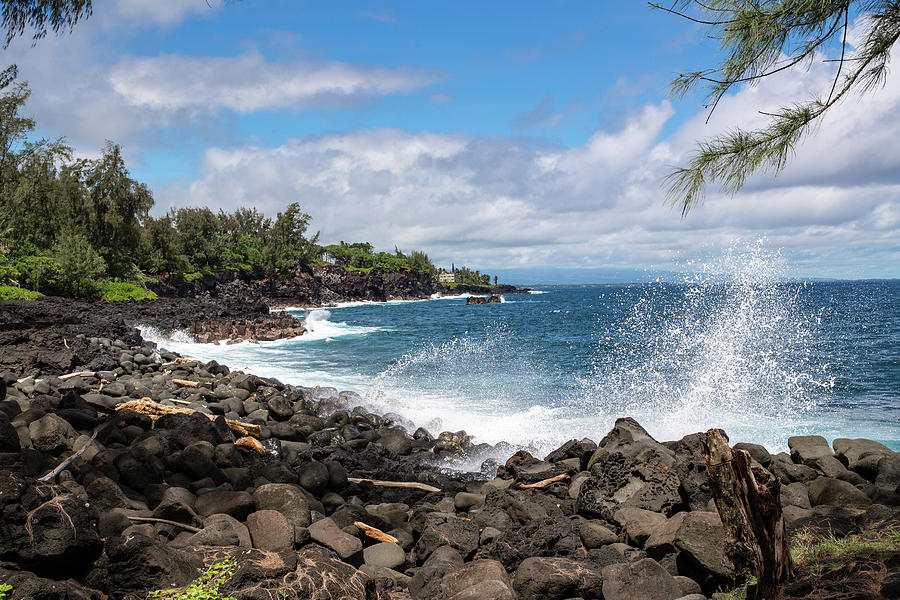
(248, 83)
(498, 202)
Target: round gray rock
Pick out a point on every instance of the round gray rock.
(385, 554)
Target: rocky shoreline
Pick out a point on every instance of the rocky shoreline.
(154, 497)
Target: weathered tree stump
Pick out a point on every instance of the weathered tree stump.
(748, 502)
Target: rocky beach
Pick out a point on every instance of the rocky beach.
(171, 465)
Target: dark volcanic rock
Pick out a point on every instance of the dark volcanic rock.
(556, 579)
(138, 563)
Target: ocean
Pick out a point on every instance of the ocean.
(741, 349)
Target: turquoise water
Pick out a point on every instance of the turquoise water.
(762, 358)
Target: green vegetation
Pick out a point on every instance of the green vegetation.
(361, 256)
(812, 550)
(113, 291)
(9, 292)
(759, 39)
(205, 587)
(6, 591)
(82, 228)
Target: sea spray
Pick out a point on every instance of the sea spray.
(730, 348)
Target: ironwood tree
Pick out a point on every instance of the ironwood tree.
(759, 39)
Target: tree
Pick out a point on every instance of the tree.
(286, 245)
(116, 205)
(38, 15)
(759, 39)
(81, 265)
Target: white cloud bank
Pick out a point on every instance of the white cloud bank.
(499, 202)
(248, 83)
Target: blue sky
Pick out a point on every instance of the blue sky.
(516, 137)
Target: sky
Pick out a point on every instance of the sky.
(525, 139)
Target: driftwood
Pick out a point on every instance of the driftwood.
(165, 521)
(748, 501)
(185, 383)
(49, 476)
(541, 484)
(375, 533)
(250, 442)
(68, 376)
(415, 485)
(154, 410)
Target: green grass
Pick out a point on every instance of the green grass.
(811, 549)
(205, 587)
(115, 291)
(9, 292)
(361, 269)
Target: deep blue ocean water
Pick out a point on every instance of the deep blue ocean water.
(761, 358)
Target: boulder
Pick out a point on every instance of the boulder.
(813, 451)
(30, 586)
(690, 465)
(307, 575)
(629, 468)
(795, 494)
(594, 535)
(51, 434)
(327, 533)
(826, 490)
(314, 477)
(425, 583)
(270, 530)
(136, 564)
(699, 540)
(443, 529)
(221, 530)
(385, 554)
(477, 579)
(396, 441)
(638, 523)
(539, 578)
(177, 504)
(861, 456)
(236, 504)
(644, 579)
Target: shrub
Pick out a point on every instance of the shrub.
(40, 273)
(6, 591)
(8, 292)
(114, 291)
(205, 587)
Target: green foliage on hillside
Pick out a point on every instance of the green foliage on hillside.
(71, 226)
(8, 292)
(361, 256)
(465, 276)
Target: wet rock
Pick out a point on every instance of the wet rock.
(385, 554)
(314, 477)
(327, 533)
(557, 578)
(270, 530)
(826, 490)
(396, 441)
(644, 579)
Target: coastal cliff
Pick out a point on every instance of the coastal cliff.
(315, 285)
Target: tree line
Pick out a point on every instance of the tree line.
(81, 227)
